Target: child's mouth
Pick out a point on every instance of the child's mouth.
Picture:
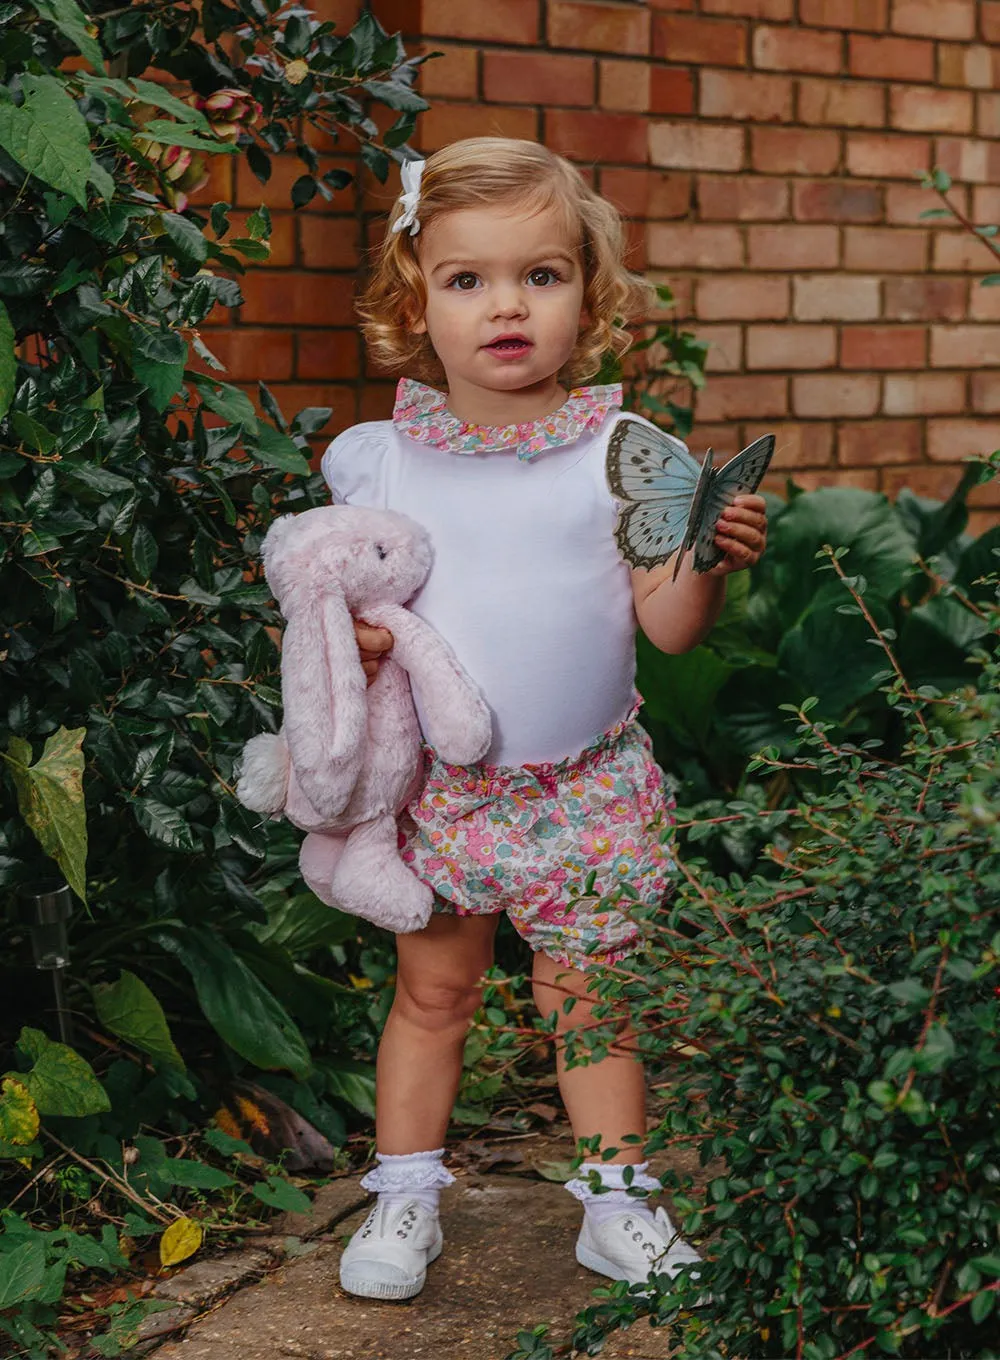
(509, 346)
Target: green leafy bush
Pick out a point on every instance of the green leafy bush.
(840, 1025)
(136, 635)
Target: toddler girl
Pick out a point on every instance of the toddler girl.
(499, 284)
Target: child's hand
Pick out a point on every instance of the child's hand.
(741, 533)
(373, 644)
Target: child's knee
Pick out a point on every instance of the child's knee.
(438, 1006)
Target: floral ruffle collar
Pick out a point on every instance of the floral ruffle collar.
(421, 413)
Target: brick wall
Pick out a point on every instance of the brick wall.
(766, 153)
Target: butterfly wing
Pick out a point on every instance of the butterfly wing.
(656, 477)
(696, 519)
(741, 476)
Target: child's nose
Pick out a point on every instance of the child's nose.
(509, 300)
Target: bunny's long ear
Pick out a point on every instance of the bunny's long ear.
(323, 688)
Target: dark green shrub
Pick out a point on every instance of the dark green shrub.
(840, 1021)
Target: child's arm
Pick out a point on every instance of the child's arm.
(677, 615)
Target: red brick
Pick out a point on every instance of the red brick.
(904, 204)
(811, 479)
(985, 203)
(825, 200)
(622, 30)
(327, 354)
(798, 247)
(964, 158)
(696, 146)
(682, 289)
(985, 392)
(295, 397)
(883, 347)
(751, 9)
(870, 443)
(977, 67)
(914, 108)
(538, 78)
(591, 136)
(989, 20)
(875, 156)
(988, 115)
(936, 483)
(885, 249)
(926, 299)
(444, 123)
(733, 398)
(312, 299)
(957, 251)
(835, 394)
(870, 14)
(221, 174)
(745, 96)
(282, 242)
(277, 192)
(922, 394)
(453, 75)
(984, 303)
(342, 13)
(708, 42)
(647, 193)
(787, 347)
(948, 441)
(797, 49)
(965, 346)
(692, 246)
(794, 151)
(742, 297)
(796, 445)
(250, 353)
(625, 86)
(841, 103)
(891, 58)
(836, 297)
(726, 352)
(671, 90)
(686, 5)
(515, 21)
(377, 399)
(742, 198)
(935, 18)
(328, 242)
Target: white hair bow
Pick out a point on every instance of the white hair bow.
(411, 173)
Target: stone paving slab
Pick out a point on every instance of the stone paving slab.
(508, 1263)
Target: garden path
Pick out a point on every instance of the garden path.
(508, 1264)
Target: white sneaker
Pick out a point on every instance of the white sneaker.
(627, 1246)
(388, 1256)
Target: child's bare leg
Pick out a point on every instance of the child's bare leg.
(420, 1054)
(607, 1097)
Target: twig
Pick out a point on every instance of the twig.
(109, 1177)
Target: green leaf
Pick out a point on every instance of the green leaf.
(8, 362)
(60, 1081)
(304, 190)
(174, 134)
(354, 1083)
(277, 1193)
(277, 450)
(227, 401)
(396, 96)
(239, 1007)
(71, 22)
(33, 432)
(158, 360)
(150, 93)
(50, 799)
(187, 239)
(49, 136)
(18, 1113)
(130, 1010)
(163, 824)
(226, 1144)
(194, 1175)
(22, 1273)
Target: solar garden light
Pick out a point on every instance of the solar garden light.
(47, 905)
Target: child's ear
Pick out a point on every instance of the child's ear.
(419, 326)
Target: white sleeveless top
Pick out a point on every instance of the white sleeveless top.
(527, 585)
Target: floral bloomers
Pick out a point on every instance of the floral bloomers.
(526, 839)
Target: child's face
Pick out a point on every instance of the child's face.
(504, 296)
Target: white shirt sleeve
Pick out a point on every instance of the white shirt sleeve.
(354, 464)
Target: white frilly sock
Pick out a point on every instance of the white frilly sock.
(419, 1176)
(614, 1198)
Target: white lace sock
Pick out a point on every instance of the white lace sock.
(419, 1176)
(615, 1198)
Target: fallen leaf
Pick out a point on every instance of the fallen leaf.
(181, 1240)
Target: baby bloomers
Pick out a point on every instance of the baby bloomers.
(526, 840)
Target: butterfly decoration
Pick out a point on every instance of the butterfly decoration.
(672, 502)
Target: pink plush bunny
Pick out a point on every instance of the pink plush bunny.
(348, 758)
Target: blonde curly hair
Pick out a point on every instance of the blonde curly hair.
(488, 171)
